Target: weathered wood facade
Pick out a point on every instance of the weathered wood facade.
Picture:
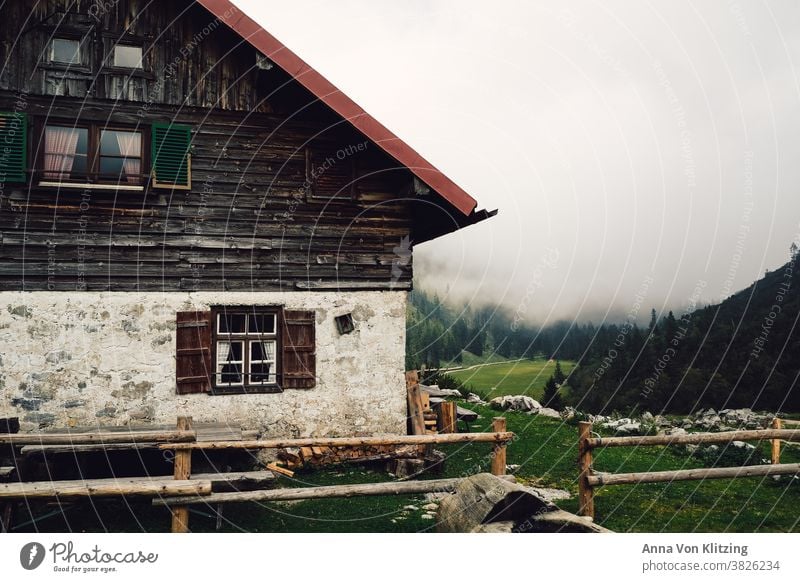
(186, 209)
(285, 194)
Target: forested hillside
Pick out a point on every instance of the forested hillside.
(743, 352)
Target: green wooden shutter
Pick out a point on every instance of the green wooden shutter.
(172, 161)
(13, 147)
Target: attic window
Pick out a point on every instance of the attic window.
(65, 51)
(128, 57)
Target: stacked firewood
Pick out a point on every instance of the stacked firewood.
(295, 458)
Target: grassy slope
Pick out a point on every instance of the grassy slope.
(546, 453)
(524, 377)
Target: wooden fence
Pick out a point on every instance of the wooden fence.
(185, 489)
(588, 442)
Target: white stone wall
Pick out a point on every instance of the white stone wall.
(75, 359)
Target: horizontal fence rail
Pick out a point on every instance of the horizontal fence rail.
(695, 438)
(693, 474)
(431, 439)
(325, 492)
(90, 438)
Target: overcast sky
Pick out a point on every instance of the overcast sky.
(633, 148)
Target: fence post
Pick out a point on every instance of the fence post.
(585, 491)
(499, 451)
(183, 471)
(448, 413)
(777, 423)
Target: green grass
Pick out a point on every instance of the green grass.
(526, 377)
(546, 451)
(470, 359)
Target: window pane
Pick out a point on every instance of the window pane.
(262, 373)
(261, 323)
(229, 352)
(231, 374)
(229, 362)
(262, 351)
(66, 51)
(128, 146)
(128, 56)
(66, 152)
(231, 323)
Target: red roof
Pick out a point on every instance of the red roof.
(323, 89)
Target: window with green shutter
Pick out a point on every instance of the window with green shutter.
(13, 147)
(171, 157)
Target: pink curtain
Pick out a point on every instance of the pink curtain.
(60, 145)
(130, 146)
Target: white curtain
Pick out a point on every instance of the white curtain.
(60, 145)
(269, 351)
(223, 352)
(130, 146)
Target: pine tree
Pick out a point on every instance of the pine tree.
(653, 320)
(558, 374)
(552, 398)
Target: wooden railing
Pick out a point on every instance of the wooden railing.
(181, 491)
(588, 479)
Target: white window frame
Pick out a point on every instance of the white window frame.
(246, 338)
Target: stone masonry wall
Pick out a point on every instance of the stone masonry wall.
(109, 358)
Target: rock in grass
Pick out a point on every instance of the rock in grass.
(518, 403)
(549, 413)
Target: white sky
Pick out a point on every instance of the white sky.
(623, 142)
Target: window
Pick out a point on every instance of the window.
(238, 350)
(92, 155)
(129, 57)
(246, 347)
(65, 51)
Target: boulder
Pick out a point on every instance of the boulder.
(549, 413)
(515, 403)
(485, 503)
(475, 399)
(648, 418)
(568, 413)
(743, 445)
(629, 428)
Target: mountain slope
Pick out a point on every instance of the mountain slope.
(743, 352)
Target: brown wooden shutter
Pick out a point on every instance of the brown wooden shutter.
(299, 361)
(193, 356)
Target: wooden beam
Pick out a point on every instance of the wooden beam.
(90, 438)
(695, 438)
(694, 474)
(103, 488)
(499, 451)
(183, 471)
(236, 481)
(585, 489)
(430, 439)
(366, 489)
(776, 443)
(44, 450)
(447, 418)
(416, 412)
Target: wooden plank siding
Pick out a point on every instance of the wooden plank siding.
(254, 219)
